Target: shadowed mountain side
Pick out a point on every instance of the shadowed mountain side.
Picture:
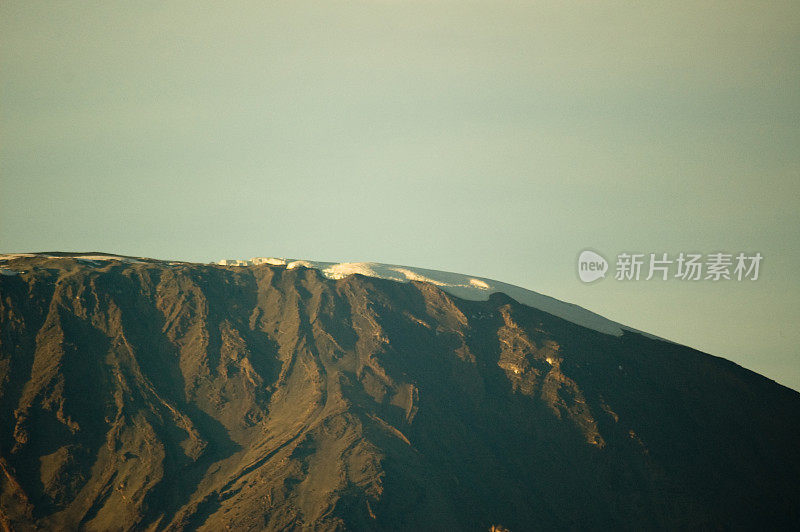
(150, 395)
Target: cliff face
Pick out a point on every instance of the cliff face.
(151, 395)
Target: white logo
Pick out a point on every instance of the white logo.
(591, 266)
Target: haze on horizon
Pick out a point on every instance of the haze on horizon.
(496, 139)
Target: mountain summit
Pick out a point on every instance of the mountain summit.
(459, 285)
(138, 394)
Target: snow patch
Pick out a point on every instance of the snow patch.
(130, 260)
(233, 262)
(297, 263)
(255, 261)
(477, 283)
(95, 258)
(11, 256)
(269, 260)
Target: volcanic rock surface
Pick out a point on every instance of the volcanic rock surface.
(138, 394)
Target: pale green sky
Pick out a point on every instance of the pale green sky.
(492, 138)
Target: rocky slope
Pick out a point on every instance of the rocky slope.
(148, 395)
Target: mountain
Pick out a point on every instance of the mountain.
(138, 394)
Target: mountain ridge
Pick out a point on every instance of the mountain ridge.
(157, 395)
(461, 285)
